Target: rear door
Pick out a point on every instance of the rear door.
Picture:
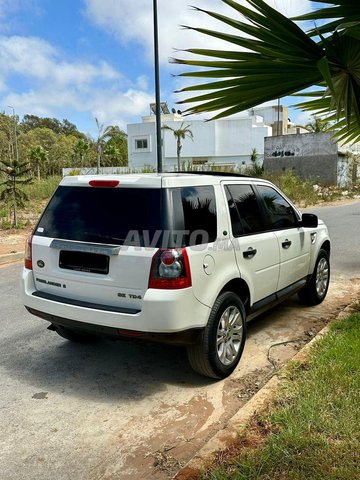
(96, 244)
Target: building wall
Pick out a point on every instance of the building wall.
(277, 116)
(321, 170)
(227, 141)
(310, 156)
(139, 158)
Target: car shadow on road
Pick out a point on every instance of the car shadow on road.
(103, 370)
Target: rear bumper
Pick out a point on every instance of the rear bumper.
(163, 311)
(186, 337)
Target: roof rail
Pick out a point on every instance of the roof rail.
(214, 173)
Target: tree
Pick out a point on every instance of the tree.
(68, 128)
(116, 147)
(81, 148)
(255, 168)
(112, 153)
(30, 122)
(6, 129)
(180, 134)
(12, 194)
(317, 125)
(111, 141)
(61, 153)
(103, 134)
(273, 57)
(39, 137)
(38, 157)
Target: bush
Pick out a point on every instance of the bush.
(299, 191)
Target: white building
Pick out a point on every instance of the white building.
(222, 142)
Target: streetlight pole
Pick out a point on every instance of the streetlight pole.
(16, 142)
(157, 89)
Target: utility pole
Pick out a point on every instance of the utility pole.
(157, 90)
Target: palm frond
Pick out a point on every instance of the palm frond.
(344, 16)
(280, 60)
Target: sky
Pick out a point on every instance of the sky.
(81, 59)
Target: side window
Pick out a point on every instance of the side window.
(279, 212)
(199, 209)
(244, 209)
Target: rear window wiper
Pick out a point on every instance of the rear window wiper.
(105, 237)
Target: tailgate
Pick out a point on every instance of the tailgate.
(116, 276)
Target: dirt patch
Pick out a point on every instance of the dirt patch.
(13, 240)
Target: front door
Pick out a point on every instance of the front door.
(293, 240)
(257, 250)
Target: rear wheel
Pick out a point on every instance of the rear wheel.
(316, 289)
(220, 347)
(74, 335)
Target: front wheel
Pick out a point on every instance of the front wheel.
(316, 288)
(221, 344)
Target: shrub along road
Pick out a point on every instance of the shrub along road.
(124, 410)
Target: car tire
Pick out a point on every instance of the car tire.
(317, 286)
(221, 344)
(74, 335)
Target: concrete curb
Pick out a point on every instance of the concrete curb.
(238, 423)
(11, 257)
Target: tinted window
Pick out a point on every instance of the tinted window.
(247, 218)
(194, 214)
(279, 213)
(102, 215)
(237, 229)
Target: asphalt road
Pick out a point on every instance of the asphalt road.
(343, 223)
(119, 410)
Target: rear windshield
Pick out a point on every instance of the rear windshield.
(102, 215)
(144, 217)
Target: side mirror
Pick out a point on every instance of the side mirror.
(309, 220)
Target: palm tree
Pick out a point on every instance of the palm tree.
(103, 134)
(256, 169)
(317, 125)
(273, 57)
(81, 148)
(180, 134)
(38, 157)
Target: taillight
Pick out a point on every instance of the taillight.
(28, 253)
(170, 269)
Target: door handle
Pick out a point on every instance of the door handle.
(250, 253)
(286, 244)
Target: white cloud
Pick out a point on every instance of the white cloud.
(33, 57)
(122, 109)
(55, 85)
(133, 22)
(10, 7)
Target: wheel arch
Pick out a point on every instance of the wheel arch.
(326, 246)
(240, 288)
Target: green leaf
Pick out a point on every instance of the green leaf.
(280, 59)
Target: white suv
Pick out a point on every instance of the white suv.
(184, 258)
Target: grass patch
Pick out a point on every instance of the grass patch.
(313, 429)
(41, 189)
